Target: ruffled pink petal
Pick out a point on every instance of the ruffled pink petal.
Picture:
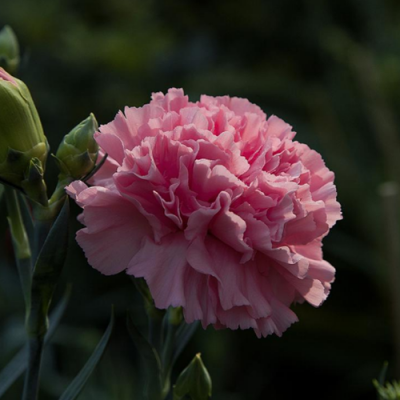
(163, 267)
(110, 238)
(201, 298)
(174, 100)
(112, 145)
(277, 323)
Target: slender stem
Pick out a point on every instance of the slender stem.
(44, 218)
(43, 221)
(169, 345)
(31, 384)
(22, 249)
(59, 192)
(167, 357)
(20, 242)
(154, 315)
(24, 263)
(174, 322)
(155, 332)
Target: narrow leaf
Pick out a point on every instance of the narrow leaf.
(15, 368)
(47, 272)
(383, 372)
(76, 386)
(183, 335)
(24, 266)
(57, 313)
(26, 217)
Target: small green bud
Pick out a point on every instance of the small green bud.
(175, 316)
(388, 391)
(21, 133)
(77, 153)
(194, 381)
(9, 50)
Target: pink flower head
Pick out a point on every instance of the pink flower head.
(215, 206)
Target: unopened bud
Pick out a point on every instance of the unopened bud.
(9, 50)
(77, 153)
(194, 381)
(21, 133)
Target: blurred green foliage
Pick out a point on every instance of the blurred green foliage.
(332, 70)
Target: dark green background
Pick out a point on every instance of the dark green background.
(331, 69)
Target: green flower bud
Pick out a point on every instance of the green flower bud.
(77, 153)
(194, 381)
(9, 50)
(175, 316)
(21, 133)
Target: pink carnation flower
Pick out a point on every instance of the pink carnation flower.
(215, 206)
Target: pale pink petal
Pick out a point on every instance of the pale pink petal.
(163, 267)
(112, 145)
(110, 238)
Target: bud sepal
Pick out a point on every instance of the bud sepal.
(77, 154)
(194, 381)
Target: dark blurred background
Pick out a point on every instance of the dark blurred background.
(332, 70)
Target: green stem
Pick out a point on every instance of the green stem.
(174, 317)
(155, 332)
(44, 218)
(37, 315)
(22, 249)
(59, 192)
(20, 242)
(31, 385)
(167, 357)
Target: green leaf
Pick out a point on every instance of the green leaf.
(154, 384)
(19, 362)
(26, 217)
(76, 386)
(47, 272)
(1, 190)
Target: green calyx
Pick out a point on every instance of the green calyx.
(15, 168)
(77, 153)
(9, 50)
